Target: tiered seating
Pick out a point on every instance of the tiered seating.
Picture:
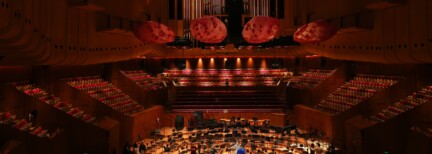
(412, 101)
(310, 79)
(423, 129)
(236, 100)
(144, 80)
(355, 91)
(107, 93)
(236, 77)
(54, 101)
(7, 119)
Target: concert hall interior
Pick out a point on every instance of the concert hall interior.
(216, 76)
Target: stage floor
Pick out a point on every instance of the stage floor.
(289, 141)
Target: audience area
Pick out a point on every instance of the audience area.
(234, 100)
(355, 91)
(225, 77)
(144, 80)
(425, 129)
(9, 120)
(56, 102)
(106, 93)
(310, 79)
(404, 105)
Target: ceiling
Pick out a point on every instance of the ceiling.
(70, 32)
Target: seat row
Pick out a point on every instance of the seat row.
(56, 102)
(353, 92)
(410, 102)
(224, 77)
(221, 84)
(226, 71)
(310, 79)
(144, 80)
(9, 120)
(108, 94)
(425, 130)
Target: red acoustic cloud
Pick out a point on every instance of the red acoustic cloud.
(317, 31)
(153, 32)
(208, 30)
(260, 29)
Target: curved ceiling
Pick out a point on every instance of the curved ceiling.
(63, 32)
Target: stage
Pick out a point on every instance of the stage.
(224, 142)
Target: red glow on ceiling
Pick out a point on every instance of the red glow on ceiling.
(260, 29)
(208, 30)
(317, 31)
(153, 32)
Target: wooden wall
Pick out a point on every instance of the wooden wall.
(146, 121)
(142, 95)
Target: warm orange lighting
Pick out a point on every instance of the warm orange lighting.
(250, 63)
(225, 59)
(238, 63)
(263, 64)
(313, 56)
(212, 64)
(200, 64)
(188, 66)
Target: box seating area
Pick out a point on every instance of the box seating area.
(355, 91)
(220, 77)
(310, 79)
(221, 99)
(106, 93)
(143, 79)
(412, 101)
(9, 120)
(56, 102)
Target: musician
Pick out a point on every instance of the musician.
(166, 148)
(126, 149)
(142, 148)
(238, 122)
(331, 149)
(241, 150)
(266, 122)
(193, 150)
(212, 151)
(236, 147)
(232, 120)
(318, 149)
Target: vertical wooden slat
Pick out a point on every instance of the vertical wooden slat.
(389, 34)
(418, 23)
(402, 33)
(429, 24)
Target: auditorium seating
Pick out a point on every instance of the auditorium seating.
(355, 91)
(143, 79)
(412, 101)
(236, 77)
(106, 93)
(263, 100)
(9, 120)
(32, 90)
(423, 129)
(310, 79)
